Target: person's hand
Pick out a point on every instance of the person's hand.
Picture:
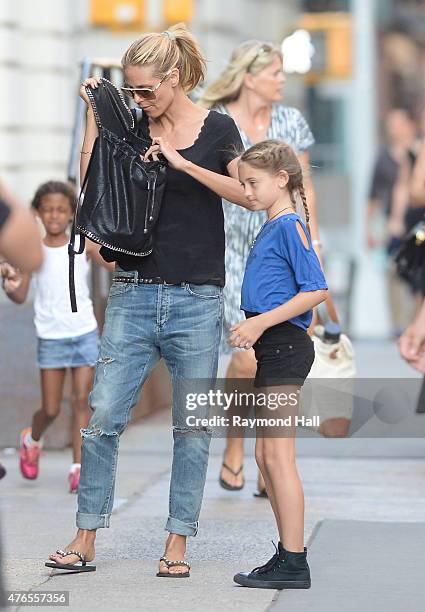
(246, 333)
(4, 268)
(412, 345)
(12, 278)
(314, 322)
(161, 145)
(92, 82)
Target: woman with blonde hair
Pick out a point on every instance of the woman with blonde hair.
(250, 91)
(167, 304)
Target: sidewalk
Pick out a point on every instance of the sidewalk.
(235, 532)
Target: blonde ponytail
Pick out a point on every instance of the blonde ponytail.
(174, 48)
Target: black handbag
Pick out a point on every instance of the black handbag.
(410, 258)
(121, 195)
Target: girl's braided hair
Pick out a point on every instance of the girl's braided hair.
(275, 155)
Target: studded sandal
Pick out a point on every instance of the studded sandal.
(169, 564)
(80, 566)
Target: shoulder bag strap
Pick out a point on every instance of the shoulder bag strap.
(71, 246)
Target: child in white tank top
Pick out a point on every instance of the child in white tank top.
(64, 339)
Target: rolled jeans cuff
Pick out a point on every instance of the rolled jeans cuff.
(92, 521)
(180, 528)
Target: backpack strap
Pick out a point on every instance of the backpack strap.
(71, 246)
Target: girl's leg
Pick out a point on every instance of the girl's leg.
(30, 447)
(281, 475)
(52, 382)
(82, 382)
(288, 567)
(284, 485)
(242, 365)
(262, 473)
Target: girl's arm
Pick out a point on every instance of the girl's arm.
(310, 193)
(246, 333)
(300, 303)
(227, 187)
(93, 254)
(15, 283)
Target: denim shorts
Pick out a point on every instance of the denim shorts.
(68, 352)
(285, 355)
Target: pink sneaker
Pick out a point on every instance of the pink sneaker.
(74, 477)
(29, 456)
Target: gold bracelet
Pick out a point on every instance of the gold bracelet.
(85, 152)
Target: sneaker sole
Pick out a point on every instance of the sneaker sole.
(27, 476)
(271, 584)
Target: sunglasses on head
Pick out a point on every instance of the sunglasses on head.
(263, 49)
(148, 93)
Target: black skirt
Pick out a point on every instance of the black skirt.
(284, 353)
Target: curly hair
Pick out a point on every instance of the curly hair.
(51, 187)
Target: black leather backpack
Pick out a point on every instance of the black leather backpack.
(121, 195)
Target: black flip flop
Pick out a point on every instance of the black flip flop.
(262, 494)
(225, 485)
(76, 567)
(169, 564)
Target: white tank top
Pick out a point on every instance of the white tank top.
(53, 316)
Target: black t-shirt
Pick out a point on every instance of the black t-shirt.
(4, 213)
(189, 236)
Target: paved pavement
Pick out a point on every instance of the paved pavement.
(362, 565)
(235, 533)
(364, 502)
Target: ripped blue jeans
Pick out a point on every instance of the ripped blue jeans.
(182, 324)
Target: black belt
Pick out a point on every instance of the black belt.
(156, 280)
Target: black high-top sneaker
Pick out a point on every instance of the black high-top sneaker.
(271, 562)
(289, 571)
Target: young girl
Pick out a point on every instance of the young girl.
(283, 281)
(65, 339)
